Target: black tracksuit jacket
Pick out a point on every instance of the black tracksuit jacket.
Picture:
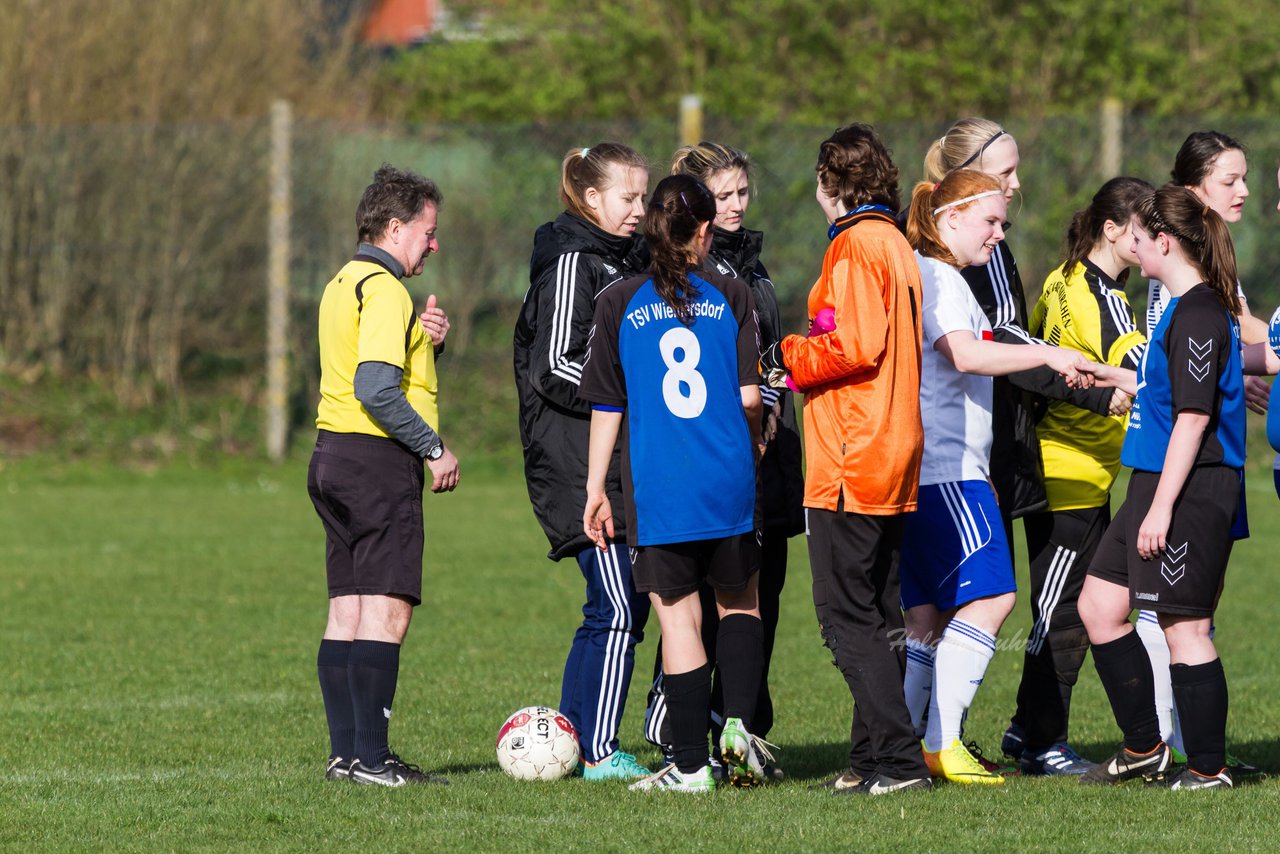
(573, 260)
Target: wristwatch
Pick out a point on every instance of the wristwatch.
(437, 452)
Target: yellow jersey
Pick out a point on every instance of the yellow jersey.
(1088, 311)
(366, 315)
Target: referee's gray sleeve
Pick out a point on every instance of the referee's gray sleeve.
(377, 387)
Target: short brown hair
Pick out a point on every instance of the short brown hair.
(855, 167)
(394, 194)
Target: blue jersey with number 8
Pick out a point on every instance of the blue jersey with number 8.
(688, 465)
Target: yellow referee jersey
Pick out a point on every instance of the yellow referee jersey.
(366, 315)
(1086, 311)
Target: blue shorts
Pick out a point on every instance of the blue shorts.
(953, 547)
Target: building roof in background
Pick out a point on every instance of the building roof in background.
(399, 23)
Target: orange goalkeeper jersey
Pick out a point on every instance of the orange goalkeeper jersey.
(862, 430)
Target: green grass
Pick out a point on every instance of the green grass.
(158, 634)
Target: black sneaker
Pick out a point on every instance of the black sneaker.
(392, 772)
(1011, 743)
(1187, 779)
(848, 779)
(879, 784)
(1127, 765)
(338, 768)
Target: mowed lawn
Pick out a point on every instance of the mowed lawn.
(157, 645)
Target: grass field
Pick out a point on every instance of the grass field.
(158, 635)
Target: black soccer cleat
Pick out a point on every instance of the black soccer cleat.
(1187, 779)
(338, 768)
(848, 779)
(1128, 765)
(880, 784)
(393, 772)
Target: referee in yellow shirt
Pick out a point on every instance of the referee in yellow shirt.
(378, 423)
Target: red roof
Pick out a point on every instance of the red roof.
(399, 22)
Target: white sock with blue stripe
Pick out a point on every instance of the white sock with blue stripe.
(959, 665)
(1152, 637)
(918, 682)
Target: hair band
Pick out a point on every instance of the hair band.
(584, 152)
(982, 148)
(972, 198)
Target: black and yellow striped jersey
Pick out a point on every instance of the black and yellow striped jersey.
(1086, 311)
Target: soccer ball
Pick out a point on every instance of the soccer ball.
(538, 743)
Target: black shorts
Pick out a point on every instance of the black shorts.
(725, 563)
(1187, 578)
(368, 493)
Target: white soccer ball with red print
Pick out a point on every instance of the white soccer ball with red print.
(538, 743)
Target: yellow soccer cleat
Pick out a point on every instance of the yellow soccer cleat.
(958, 765)
(931, 762)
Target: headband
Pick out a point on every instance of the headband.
(982, 148)
(973, 198)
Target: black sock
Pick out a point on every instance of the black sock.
(688, 698)
(372, 671)
(1200, 692)
(740, 657)
(1125, 672)
(335, 688)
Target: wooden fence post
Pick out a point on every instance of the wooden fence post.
(277, 396)
(1112, 157)
(690, 119)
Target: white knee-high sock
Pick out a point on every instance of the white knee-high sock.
(1152, 637)
(959, 665)
(918, 682)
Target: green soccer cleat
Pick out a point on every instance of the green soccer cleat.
(744, 755)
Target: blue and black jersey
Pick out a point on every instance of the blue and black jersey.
(688, 465)
(1193, 362)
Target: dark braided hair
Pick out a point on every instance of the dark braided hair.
(679, 206)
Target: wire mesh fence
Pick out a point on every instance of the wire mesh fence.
(138, 253)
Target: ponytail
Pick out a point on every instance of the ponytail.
(1176, 212)
(1115, 201)
(961, 147)
(928, 200)
(706, 159)
(584, 168)
(679, 207)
